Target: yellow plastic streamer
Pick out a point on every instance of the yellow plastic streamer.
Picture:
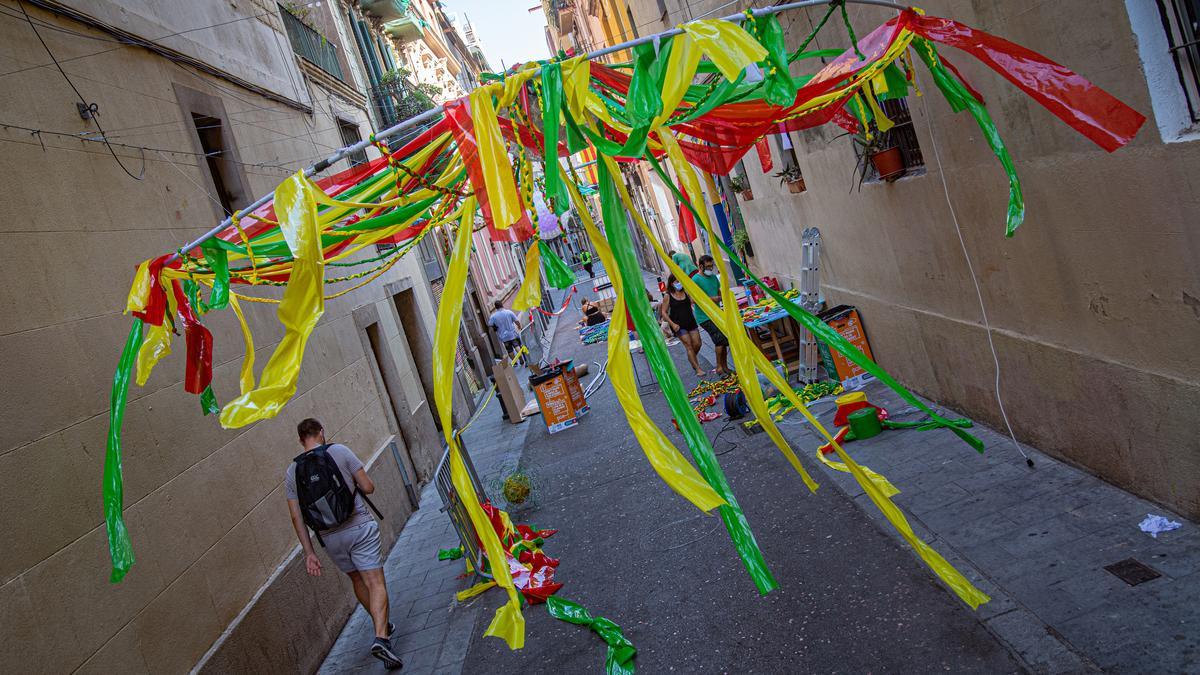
(872, 487)
(299, 311)
(156, 344)
(139, 291)
(530, 293)
(493, 157)
(246, 377)
(508, 624)
(666, 459)
(468, 593)
(726, 44)
(681, 70)
(739, 344)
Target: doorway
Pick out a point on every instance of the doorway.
(385, 371)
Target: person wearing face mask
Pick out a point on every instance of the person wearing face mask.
(677, 310)
(708, 281)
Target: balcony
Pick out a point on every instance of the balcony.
(406, 29)
(397, 100)
(311, 45)
(388, 10)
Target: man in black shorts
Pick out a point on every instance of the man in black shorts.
(708, 281)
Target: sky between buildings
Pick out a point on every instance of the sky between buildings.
(508, 30)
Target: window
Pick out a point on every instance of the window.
(901, 136)
(1168, 42)
(1181, 21)
(310, 44)
(350, 136)
(212, 143)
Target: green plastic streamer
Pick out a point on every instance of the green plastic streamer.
(558, 274)
(119, 548)
(450, 553)
(218, 261)
(961, 99)
(552, 94)
(208, 402)
(619, 659)
(827, 334)
(616, 229)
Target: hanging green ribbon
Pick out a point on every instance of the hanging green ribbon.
(616, 228)
(619, 659)
(961, 99)
(558, 274)
(218, 262)
(119, 548)
(827, 334)
(552, 96)
(208, 402)
(778, 87)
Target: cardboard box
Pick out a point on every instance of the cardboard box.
(509, 390)
(578, 400)
(845, 320)
(554, 399)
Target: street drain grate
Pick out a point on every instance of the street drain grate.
(1132, 572)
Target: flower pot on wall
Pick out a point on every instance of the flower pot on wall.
(889, 164)
(747, 195)
(796, 186)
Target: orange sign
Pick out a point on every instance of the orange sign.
(578, 400)
(554, 398)
(849, 325)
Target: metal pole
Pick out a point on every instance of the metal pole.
(434, 112)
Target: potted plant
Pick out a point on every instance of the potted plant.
(792, 177)
(741, 185)
(741, 242)
(883, 154)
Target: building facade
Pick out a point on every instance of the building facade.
(238, 96)
(1092, 304)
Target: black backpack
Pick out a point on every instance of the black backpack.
(326, 501)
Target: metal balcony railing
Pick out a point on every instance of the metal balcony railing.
(311, 45)
(398, 100)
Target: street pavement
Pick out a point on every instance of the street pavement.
(852, 597)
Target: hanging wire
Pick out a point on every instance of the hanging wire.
(90, 108)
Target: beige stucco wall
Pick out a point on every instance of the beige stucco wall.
(1094, 301)
(204, 506)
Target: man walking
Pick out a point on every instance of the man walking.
(684, 261)
(504, 321)
(329, 497)
(585, 257)
(708, 282)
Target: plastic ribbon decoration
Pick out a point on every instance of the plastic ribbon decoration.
(119, 548)
(508, 624)
(664, 370)
(529, 295)
(302, 306)
(666, 460)
(618, 659)
(650, 108)
(875, 486)
(558, 274)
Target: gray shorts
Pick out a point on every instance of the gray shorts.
(356, 548)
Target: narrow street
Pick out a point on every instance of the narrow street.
(849, 599)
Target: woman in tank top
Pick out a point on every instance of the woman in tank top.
(676, 309)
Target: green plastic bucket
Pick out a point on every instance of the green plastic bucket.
(865, 423)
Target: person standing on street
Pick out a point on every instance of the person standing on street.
(504, 321)
(685, 262)
(676, 309)
(326, 488)
(708, 282)
(586, 258)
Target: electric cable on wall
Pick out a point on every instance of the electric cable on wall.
(974, 279)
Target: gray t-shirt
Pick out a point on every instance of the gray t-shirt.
(349, 464)
(505, 323)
